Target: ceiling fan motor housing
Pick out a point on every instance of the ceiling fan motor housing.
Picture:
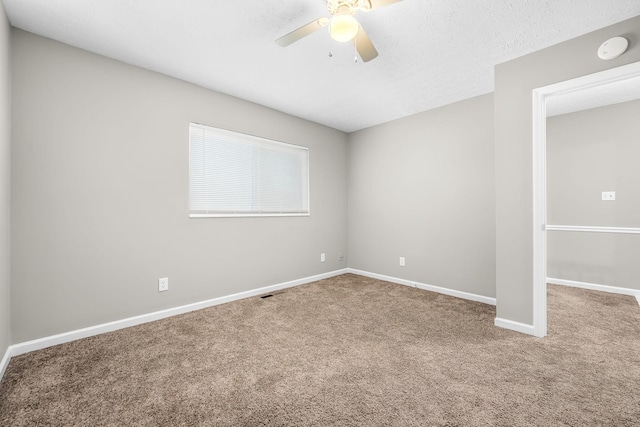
(338, 7)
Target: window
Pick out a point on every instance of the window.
(232, 174)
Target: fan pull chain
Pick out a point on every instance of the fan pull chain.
(330, 48)
(355, 51)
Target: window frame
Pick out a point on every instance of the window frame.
(255, 214)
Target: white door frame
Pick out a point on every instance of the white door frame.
(540, 96)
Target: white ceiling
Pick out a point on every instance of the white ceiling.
(432, 52)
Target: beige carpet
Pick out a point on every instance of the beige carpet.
(347, 351)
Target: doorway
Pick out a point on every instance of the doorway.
(541, 97)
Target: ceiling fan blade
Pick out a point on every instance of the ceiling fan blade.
(365, 48)
(377, 4)
(303, 31)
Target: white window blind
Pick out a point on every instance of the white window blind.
(233, 174)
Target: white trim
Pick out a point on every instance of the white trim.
(5, 361)
(40, 343)
(539, 216)
(590, 229)
(596, 287)
(539, 135)
(589, 81)
(382, 277)
(251, 215)
(458, 294)
(514, 326)
(425, 287)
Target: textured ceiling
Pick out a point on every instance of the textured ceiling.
(432, 52)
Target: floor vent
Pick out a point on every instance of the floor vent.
(272, 294)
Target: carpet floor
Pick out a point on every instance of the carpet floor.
(346, 351)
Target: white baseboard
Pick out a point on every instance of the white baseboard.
(425, 287)
(596, 287)
(382, 277)
(40, 343)
(514, 326)
(5, 362)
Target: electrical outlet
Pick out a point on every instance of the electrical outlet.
(402, 263)
(163, 284)
(340, 257)
(609, 196)
(322, 257)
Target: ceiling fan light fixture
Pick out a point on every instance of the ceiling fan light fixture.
(343, 28)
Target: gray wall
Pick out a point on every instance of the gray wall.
(589, 152)
(100, 186)
(5, 143)
(422, 187)
(514, 82)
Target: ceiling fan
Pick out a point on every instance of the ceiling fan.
(343, 27)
